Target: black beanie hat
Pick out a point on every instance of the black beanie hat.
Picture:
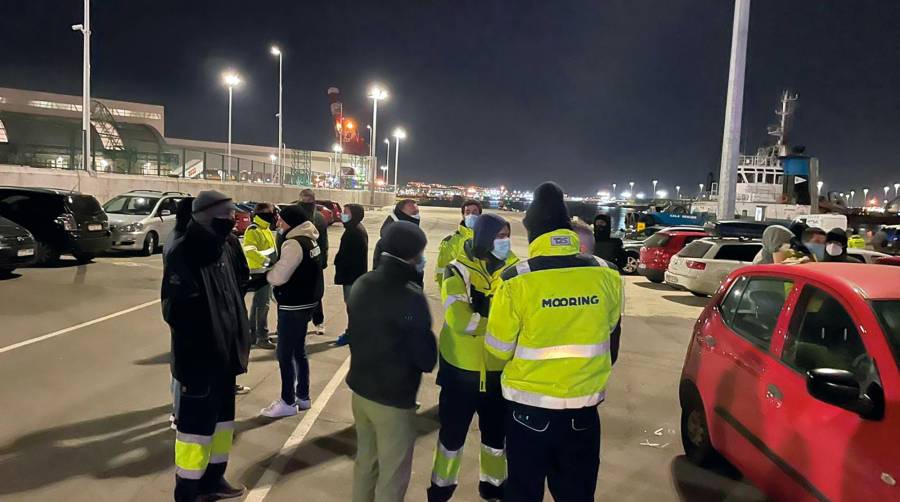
(547, 212)
(294, 215)
(837, 235)
(404, 240)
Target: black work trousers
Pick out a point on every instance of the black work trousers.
(459, 401)
(561, 447)
(291, 351)
(205, 419)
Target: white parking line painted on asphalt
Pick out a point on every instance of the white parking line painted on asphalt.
(85, 324)
(268, 479)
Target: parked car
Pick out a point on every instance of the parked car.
(633, 241)
(867, 256)
(141, 220)
(335, 209)
(659, 248)
(16, 246)
(703, 264)
(60, 221)
(889, 260)
(243, 217)
(326, 213)
(887, 239)
(792, 376)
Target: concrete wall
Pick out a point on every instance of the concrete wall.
(106, 186)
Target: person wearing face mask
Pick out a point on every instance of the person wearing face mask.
(469, 381)
(605, 246)
(813, 239)
(452, 244)
(203, 303)
(405, 210)
(391, 345)
(308, 203)
(836, 247)
(351, 260)
(298, 286)
(259, 248)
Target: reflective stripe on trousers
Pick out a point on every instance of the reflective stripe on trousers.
(193, 452)
(446, 466)
(493, 465)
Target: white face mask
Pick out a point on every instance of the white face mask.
(833, 249)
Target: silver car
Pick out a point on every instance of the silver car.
(141, 220)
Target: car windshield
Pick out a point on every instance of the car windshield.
(131, 204)
(888, 312)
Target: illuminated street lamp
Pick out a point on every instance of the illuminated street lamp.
(886, 190)
(277, 52)
(231, 80)
(852, 196)
(85, 29)
(865, 195)
(654, 182)
(678, 192)
(399, 133)
(631, 186)
(819, 185)
(896, 188)
(384, 174)
(387, 162)
(701, 191)
(614, 190)
(376, 93)
(661, 194)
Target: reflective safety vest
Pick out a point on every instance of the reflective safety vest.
(856, 242)
(259, 244)
(551, 319)
(451, 247)
(462, 337)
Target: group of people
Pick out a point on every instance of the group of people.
(802, 244)
(527, 343)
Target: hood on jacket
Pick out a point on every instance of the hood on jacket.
(602, 233)
(357, 213)
(773, 238)
(547, 212)
(261, 223)
(839, 236)
(305, 229)
(486, 229)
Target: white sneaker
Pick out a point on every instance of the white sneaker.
(304, 404)
(279, 409)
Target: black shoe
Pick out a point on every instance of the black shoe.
(222, 491)
(265, 343)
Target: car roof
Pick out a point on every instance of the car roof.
(41, 190)
(874, 282)
(683, 231)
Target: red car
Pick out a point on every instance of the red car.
(889, 260)
(792, 376)
(660, 247)
(242, 220)
(335, 209)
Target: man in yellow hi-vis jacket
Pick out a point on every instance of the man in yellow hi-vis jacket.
(469, 379)
(451, 246)
(556, 319)
(259, 248)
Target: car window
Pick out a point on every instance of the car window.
(83, 204)
(758, 309)
(691, 238)
(738, 252)
(695, 249)
(730, 303)
(888, 312)
(168, 204)
(823, 335)
(131, 204)
(657, 240)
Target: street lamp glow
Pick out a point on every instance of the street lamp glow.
(273, 157)
(640, 195)
(399, 133)
(377, 92)
(275, 50)
(231, 79)
(886, 190)
(337, 148)
(661, 194)
(677, 191)
(852, 195)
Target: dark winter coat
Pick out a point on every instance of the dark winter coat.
(391, 343)
(396, 215)
(351, 260)
(321, 226)
(607, 247)
(203, 302)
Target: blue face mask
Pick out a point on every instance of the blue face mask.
(818, 250)
(470, 220)
(416, 216)
(420, 265)
(501, 248)
(345, 217)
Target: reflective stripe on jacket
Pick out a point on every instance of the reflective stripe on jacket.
(551, 319)
(462, 336)
(451, 246)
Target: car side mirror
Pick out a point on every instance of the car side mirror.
(165, 212)
(840, 388)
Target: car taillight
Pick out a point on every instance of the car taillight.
(67, 221)
(696, 265)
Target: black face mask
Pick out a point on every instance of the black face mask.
(267, 217)
(222, 226)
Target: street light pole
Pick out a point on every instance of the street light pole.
(399, 133)
(896, 188)
(231, 80)
(387, 162)
(615, 197)
(734, 108)
(678, 192)
(375, 94)
(277, 52)
(85, 29)
(654, 186)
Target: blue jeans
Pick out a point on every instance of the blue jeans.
(259, 313)
(292, 361)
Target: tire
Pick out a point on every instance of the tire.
(655, 280)
(6, 272)
(631, 263)
(45, 254)
(83, 258)
(151, 243)
(695, 431)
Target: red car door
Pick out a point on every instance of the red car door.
(737, 354)
(829, 453)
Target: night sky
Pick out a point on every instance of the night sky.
(491, 92)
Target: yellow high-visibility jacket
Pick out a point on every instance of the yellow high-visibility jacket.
(552, 317)
(462, 336)
(259, 243)
(451, 246)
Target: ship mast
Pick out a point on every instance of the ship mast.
(780, 130)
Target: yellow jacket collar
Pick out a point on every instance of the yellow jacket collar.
(466, 232)
(556, 243)
(261, 223)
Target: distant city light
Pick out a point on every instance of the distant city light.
(661, 194)
(625, 195)
(273, 157)
(640, 195)
(337, 148)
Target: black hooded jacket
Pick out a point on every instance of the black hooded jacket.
(203, 302)
(351, 260)
(396, 215)
(840, 236)
(605, 246)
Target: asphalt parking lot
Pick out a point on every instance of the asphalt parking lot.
(84, 361)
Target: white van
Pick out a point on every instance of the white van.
(826, 222)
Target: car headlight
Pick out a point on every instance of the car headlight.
(133, 227)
